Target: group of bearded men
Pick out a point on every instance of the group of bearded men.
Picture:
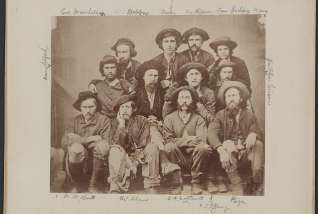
(178, 117)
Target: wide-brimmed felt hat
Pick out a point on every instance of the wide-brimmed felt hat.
(194, 93)
(225, 64)
(168, 32)
(245, 94)
(124, 99)
(83, 96)
(195, 31)
(223, 41)
(182, 72)
(125, 41)
(141, 70)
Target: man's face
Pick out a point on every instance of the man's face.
(123, 53)
(151, 77)
(193, 78)
(195, 42)
(88, 108)
(223, 51)
(232, 98)
(110, 71)
(126, 110)
(226, 73)
(169, 44)
(184, 100)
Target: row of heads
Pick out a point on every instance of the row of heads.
(180, 39)
(153, 65)
(239, 87)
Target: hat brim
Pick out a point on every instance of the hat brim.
(233, 84)
(204, 35)
(78, 102)
(124, 99)
(231, 44)
(185, 69)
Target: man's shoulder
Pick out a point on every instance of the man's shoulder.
(135, 63)
(171, 116)
(237, 60)
(206, 53)
(158, 58)
(207, 91)
(220, 114)
(101, 117)
(181, 57)
(185, 52)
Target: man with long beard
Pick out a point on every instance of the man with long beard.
(196, 76)
(238, 140)
(125, 51)
(185, 134)
(85, 144)
(195, 37)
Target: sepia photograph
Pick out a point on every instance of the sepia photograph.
(171, 104)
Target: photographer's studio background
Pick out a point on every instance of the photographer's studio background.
(79, 43)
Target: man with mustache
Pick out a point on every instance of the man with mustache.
(112, 87)
(150, 95)
(237, 139)
(195, 37)
(168, 41)
(196, 76)
(125, 52)
(185, 135)
(134, 142)
(223, 47)
(85, 145)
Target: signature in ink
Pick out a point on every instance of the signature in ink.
(45, 61)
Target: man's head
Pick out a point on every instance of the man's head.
(194, 74)
(233, 98)
(88, 104)
(125, 106)
(225, 71)
(125, 50)
(108, 67)
(233, 94)
(184, 99)
(195, 37)
(168, 40)
(149, 74)
(223, 47)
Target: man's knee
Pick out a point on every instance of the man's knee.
(102, 148)
(170, 147)
(76, 152)
(203, 149)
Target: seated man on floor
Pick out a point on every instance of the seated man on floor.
(85, 145)
(186, 138)
(238, 140)
(134, 141)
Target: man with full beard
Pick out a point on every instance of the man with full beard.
(125, 52)
(185, 134)
(238, 140)
(195, 37)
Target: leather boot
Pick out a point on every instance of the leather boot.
(236, 182)
(77, 174)
(96, 172)
(222, 187)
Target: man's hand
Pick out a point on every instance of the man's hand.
(92, 88)
(224, 158)
(93, 138)
(153, 120)
(250, 141)
(193, 141)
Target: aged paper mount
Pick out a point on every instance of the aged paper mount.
(276, 85)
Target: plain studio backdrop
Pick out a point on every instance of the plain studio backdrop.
(79, 43)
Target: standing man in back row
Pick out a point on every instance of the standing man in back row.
(168, 41)
(195, 37)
